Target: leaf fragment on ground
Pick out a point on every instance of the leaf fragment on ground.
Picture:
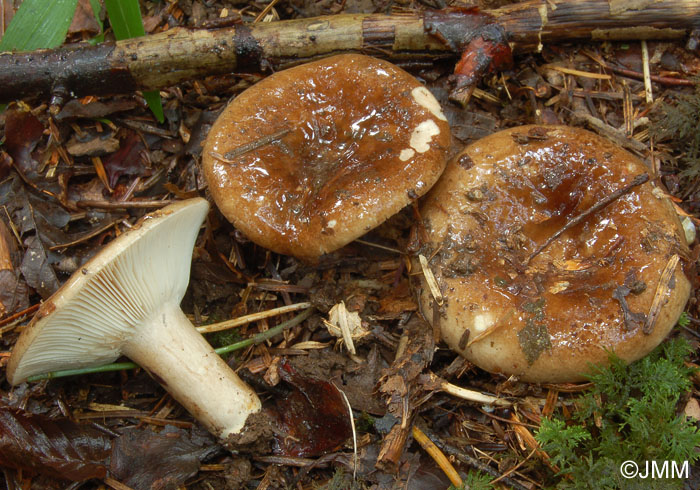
(143, 459)
(312, 419)
(57, 448)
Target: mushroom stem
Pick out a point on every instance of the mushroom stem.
(178, 357)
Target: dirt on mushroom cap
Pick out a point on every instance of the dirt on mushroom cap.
(590, 290)
(315, 156)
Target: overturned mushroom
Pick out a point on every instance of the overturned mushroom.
(313, 157)
(550, 249)
(126, 300)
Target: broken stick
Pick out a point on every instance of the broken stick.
(179, 54)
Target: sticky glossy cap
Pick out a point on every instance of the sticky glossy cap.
(592, 290)
(312, 157)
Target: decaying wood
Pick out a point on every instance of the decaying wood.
(5, 241)
(401, 390)
(471, 461)
(180, 54)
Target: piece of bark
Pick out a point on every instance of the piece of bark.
(5, 262)
(179, 54)
(401, 390)
(5, 244)
(13, 289)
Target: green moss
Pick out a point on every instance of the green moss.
(628, 415)
(678, 122)
(341, 480)
(475, 480)
(223, 337)
(364, 423)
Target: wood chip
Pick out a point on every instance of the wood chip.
(663, 289)
(578, 73)
(345, 324)
(430, 279)
(692, 409)
(310, 345)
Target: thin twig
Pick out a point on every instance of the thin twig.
(648, 94)
(376, 245)
(471, 461)
(514, 468)
(115, 484)
(19, 314)
(265, 11)
(88, 235)
(354, 432)
(231, 156)
(661, 294)
(253, 317)
(430, 279)
(470, 395)
(438, 456)
(87, 203)
(639, 76)
(610, 198)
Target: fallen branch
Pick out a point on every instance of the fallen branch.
(401, 391)
(179, 54)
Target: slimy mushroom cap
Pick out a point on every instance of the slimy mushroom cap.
(613, 282)
(313, 157)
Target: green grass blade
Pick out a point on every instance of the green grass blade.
(155, 104)
(39, 24)
(125, 18)
(96, 8)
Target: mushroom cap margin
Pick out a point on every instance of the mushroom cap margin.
(393, 139)
(100, 315)
(582, 321)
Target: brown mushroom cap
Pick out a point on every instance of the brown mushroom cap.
(589, 292)
(313, 157)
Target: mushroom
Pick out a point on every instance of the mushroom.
(126, 300)
(312, 157)
(551, 250)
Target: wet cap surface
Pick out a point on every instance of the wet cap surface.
(311, 158)
(545, 317)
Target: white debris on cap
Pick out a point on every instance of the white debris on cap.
(425, 98)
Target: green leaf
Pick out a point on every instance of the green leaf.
(96, 8)
(154, 103)
(125, 18)
(39, 24)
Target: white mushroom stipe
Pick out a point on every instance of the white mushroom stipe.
(126, 301)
